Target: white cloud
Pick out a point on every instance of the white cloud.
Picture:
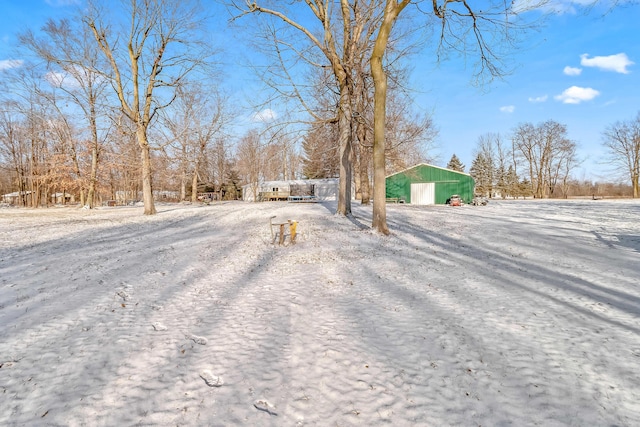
(62, 3)
(576, 95)
(7, 64)
(542, 98)
(265, 115)
(55, 79)
(508, 109)
(572, 71)
(68, 80)
(559, 7)
(617, 63)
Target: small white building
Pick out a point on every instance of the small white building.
(62, 198)
(15, 197)
(320, 189)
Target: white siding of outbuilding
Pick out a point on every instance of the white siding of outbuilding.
(324, 189)
(423, 193)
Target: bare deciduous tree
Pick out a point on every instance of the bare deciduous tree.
(73, 60)
(13, 148)
(548, 154)
(249, 160)
(337, 36)
(121, 162)
(30, 111)
(194, 123)
(622, 141)
(157, 52)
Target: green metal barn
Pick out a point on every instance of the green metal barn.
(425, 184)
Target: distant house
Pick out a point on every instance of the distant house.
(62, 198)
(426, 184)
(166, 195)
(14, 198)
(131, 197)
(320, 189)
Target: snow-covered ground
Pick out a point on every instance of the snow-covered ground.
(517, 313)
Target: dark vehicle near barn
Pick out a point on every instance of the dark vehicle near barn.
(479, 201)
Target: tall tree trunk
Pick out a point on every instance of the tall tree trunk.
(93, 174)
(362, 157)
(391, 11)
(93, 177)
(356, 173)
(344, 138)
(363, 164)
(379, 222)
(147, 187)
(183, 186)
(194, 184)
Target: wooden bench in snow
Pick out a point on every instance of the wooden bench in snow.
(394, 200)
(278, 229)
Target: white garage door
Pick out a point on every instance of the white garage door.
(423, 193)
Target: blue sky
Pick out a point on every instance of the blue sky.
(579, 69)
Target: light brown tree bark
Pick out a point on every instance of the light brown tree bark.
(391, 11)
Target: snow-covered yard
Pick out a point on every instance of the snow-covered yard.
(517, 313)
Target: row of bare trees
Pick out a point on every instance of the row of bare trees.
(540, 160)
(97, 106)
(537, 162)
(115, 81)
(122, 87)
(622, 142)
(548, 155)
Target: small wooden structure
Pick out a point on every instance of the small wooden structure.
(279, 227)
(268, 196)
(62, 198)
(395, 200)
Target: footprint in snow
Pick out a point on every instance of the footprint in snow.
(210, 379)
(265, 406)
(159, 327)
(196, 339)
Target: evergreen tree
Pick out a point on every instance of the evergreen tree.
(455, 164)
(482, 172)
(232, 190)
(524, 188)
(512, 183)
